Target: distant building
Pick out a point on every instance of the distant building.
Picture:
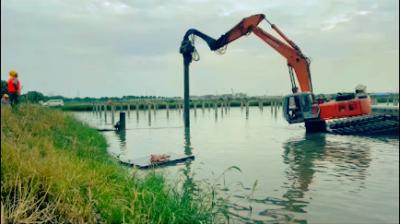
(240, 95)
(212, 97)
(54, 102)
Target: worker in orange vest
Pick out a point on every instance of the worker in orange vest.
(13, 87)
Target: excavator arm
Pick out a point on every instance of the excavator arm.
(295, 59)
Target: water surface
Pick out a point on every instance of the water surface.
(300, 178)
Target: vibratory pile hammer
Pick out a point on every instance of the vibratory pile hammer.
(348, 113)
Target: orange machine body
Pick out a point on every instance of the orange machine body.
(348, 108)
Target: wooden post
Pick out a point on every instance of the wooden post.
(137, 105)
(112, 114)
(137, 110)
(247, 109)
(271, 104)
(149, 112)
(222, 109)
(216, 110)
(100, 110)
(167, 109)
(129, 109)
(105, 113)
(226, 106)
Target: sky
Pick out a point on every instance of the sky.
(110, 48)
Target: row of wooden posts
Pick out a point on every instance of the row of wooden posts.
(98, 108)
(224, 105)
(148, 105)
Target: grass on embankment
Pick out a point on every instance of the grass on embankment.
(55, 169)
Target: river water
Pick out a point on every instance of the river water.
(286, 176)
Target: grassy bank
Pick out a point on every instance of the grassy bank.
(55, 169)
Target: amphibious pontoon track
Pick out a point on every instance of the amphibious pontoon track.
(369, 124)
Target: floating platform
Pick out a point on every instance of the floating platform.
(105, 129)
(144, 162)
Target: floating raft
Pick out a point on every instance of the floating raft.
(144, 162)
(105, 129)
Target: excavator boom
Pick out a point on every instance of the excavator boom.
(295, 58)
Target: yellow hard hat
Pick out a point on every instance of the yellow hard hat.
(13, 73)
(5, 95)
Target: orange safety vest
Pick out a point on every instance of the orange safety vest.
(13, 87)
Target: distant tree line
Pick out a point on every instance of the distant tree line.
(35, 97)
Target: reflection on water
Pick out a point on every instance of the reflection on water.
(121, 135)
(307, 158)
(189, 184)
(301, 157)
(167, 114)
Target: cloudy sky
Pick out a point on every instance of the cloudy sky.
(129, 47)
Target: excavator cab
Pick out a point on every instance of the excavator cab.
(299, 107)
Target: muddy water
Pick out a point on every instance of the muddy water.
(286, 176)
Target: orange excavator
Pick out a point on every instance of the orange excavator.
(301, 105)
